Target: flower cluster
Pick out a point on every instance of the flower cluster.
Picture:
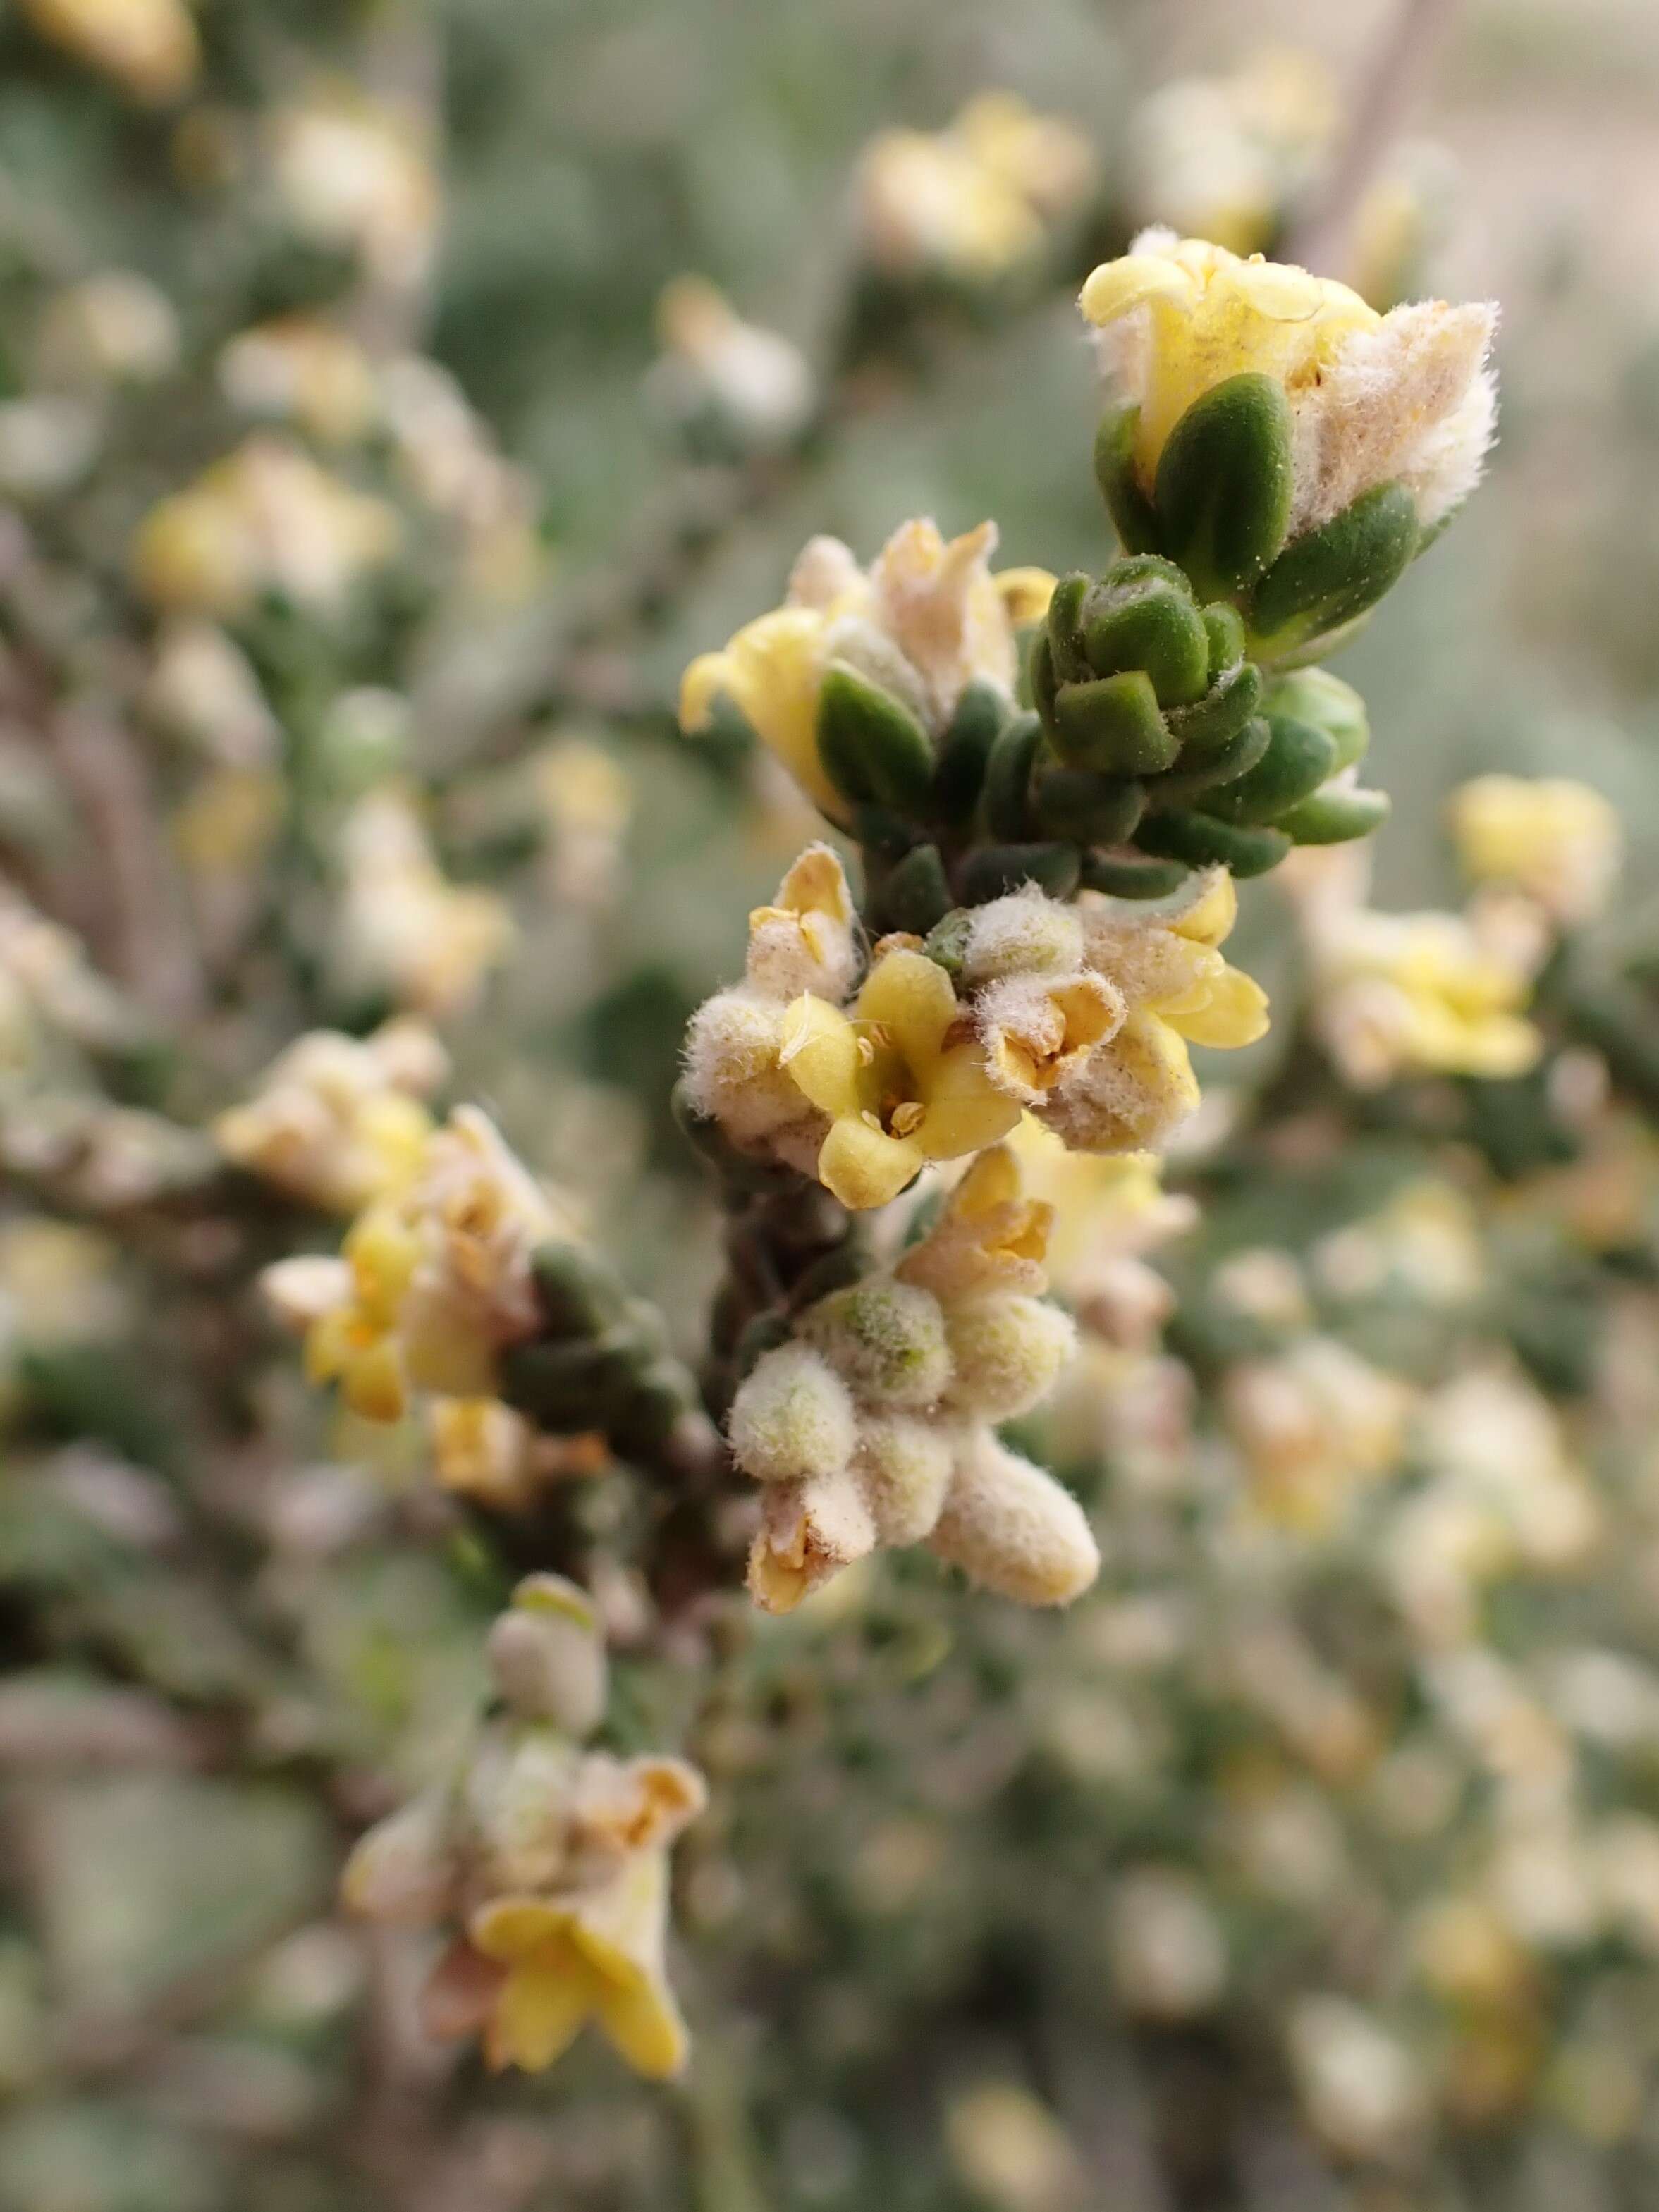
(875, 1423)
(1276, 436)
(338, 1121)
(1081, 1014)
(549, 1861)
(1400, 995)
(266, 518)
(927, 620)
(435, 1278)
(404, 930)
(975, 202)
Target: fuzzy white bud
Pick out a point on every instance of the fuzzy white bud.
(887, 1338)
(1007, 1351)
(791, 1418)
(1011, 1527)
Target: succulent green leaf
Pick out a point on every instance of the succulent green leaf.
(1113, 725)
(1294, 763)
(916, 894)
(1131, 510)
(1088, 809)
(1334, 818)
(965, 751)
(1153, 625)
(1332, 575)
(1223, 494)
(994, 870)
(1132, 879)
(1220, 716)
(1314, 694)
(1008, 777)
(1201, 771)
(1204, 842)
(871, 746)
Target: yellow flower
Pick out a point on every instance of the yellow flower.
(436, 1278)
(1132, 1089)
(1224, 158)
(1420, 993)
(150, 46)
(903, 1080)
(265, 517)
(1374, 399)
(989, 1236)
(337, 1122)
(974, 201)
(752, 378)
(925, 619)
(348, 172)
(300, 369)
(1552, 838)
(594, 1955)
(404, 928)
(1038, 1029)
(356, 1343)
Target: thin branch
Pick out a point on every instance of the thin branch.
(1318, 239)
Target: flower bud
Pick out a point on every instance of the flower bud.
(791, 1418)
(547, 1656)
(733, 1074)
(1023, 934)
(809, 1531)
(905, 1468)
(887, 1338)
(402, 1870)
(1008, 1353)
(1012, 1528)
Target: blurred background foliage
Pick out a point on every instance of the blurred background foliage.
(1313, 1862)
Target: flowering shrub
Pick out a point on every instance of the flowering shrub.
(993, 1507)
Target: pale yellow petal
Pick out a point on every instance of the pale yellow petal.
(1025, 593)
(1235, 1012)
(1211, 910)
(1117, 288)
(512, 1928)
(862, 1166)
(643, 2022)
(965, 1111)
(912, 998)
(539, 2013)
(820, 1053)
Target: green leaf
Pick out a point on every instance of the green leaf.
(965, 752)
(1223, 493)
(1334, 818)
(1204, 842)
(996, 869)
(1088, 809)
(1065, 627)
(917, 894)
(1133, 879)
(1294, 763)
(1236, 758)
(1113, 725)
(576, 1292)
(1131, 510)
(871, 744)
(1153, 625)
(1218, 718)
(1008, 777)
(1334, 574)
(1314, 694)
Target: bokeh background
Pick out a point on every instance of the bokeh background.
(1313, 1863)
